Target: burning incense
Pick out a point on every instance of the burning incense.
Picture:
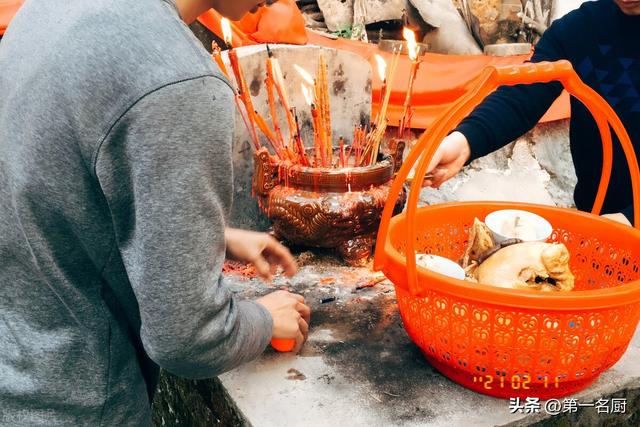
(270, 83)
(318, 129)
(302, 153)
(319, 112)
(318, 132)
(366, 141)
(413, 49)
(325, 110)
(262, 125)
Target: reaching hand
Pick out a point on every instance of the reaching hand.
(449, 158)
(261, 250)
(290, 316)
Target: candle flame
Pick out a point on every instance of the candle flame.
(307, 93)
(226, 30)
(305, 75)
(412, 46)
(382, 66)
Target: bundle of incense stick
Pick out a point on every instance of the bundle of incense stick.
(320, 112)
(365, 143)
(325, 108)
(366, 140)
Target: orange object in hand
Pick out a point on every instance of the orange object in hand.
(283, 345)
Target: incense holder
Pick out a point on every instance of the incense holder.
(336, 208)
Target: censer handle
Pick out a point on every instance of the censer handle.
(482, 86)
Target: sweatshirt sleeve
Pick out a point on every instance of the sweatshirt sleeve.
(511, 111)
(165, 169)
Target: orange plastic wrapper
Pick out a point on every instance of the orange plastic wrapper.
(281, 22)
(8, 8)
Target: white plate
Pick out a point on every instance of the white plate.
(440, 265)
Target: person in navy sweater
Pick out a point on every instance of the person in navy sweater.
(601, 39)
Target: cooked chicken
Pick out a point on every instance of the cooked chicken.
(514, 264)
(480, 240)
(534, 265)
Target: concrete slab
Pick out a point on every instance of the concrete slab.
(359, 367)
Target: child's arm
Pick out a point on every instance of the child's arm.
(261, 250)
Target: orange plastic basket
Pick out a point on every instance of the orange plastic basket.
(508, 342)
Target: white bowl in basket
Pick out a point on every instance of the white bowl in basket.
(530, 227)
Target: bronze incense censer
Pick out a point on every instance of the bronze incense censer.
(327, 207)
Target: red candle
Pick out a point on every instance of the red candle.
(215, 53)
(413, 48)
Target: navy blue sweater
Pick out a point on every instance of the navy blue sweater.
(603, 45)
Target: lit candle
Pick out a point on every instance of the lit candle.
(382, 69)
(215, 53)
(374, 137)
(240, 81)
(413, 49)
(227, 34)
(381, 121)
(305, 75)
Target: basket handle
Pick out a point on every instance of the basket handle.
(486, 82)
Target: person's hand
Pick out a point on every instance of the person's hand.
(449, 158)
(290, 316)
(261, 250)
(618, 217)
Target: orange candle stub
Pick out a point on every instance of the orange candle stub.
(283, 345)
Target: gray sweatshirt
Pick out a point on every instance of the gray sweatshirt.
(115, 181)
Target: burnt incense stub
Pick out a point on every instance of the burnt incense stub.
(325, 207)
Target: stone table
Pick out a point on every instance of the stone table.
(359, 368)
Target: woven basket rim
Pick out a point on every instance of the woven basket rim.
(620, 295)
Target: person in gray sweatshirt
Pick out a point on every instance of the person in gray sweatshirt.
(115, 188)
